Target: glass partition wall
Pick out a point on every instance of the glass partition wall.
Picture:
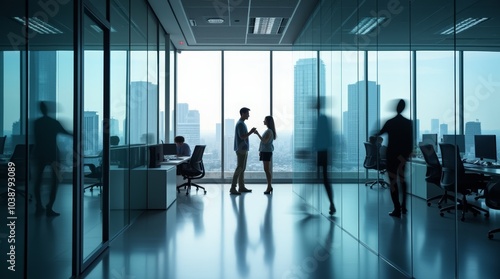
(101, 87)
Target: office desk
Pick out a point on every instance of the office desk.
(418, 169)
(418, 186)
(175, 162)
(159, 193)
(493, 171)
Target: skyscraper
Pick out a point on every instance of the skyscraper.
(443, 130)
(471, 129)
(143, 112)
(43, 80)
(91, 133)
(306, 94)
(434, 126)
(188, 124)
(362, 117)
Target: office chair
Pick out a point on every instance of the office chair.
(454, 175)
(374, 162)
(95, 173)
(193, 169)
(2, 143)
(433, 173)
(492, 200)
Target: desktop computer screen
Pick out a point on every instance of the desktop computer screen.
(458, 140)
(485, 147)
(155, 155)
(431, 139)
(169, 149)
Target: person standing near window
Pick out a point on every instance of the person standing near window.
(183, 148)
(400, 136)
(266, 149)
(241, 147)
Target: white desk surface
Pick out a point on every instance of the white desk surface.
(177, 161)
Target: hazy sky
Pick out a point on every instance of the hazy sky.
(247, 80)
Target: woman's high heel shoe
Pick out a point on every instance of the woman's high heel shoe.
(269, 191)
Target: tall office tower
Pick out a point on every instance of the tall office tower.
(434, 126)
(161, 126)
(114, 128)
(42, 81)
(229, 125)
(188, 124)
(443, 130)
(305, 97)
(363, 111)
(218, 133)
(182, 112)
(471, 129)
(16, 128)
(143, 112)
(91, 133)
(229, 157)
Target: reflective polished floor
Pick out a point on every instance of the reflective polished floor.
(221, 236)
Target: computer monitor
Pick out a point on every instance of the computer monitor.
(458, 140)
(431, 139)
(485, 147)
(155, 155)
(169, 149)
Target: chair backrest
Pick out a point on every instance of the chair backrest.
(492, 195)
(196, 160)
(451, 163)
(434, 169)
(20, 158)
(2, 143)
(372, 157)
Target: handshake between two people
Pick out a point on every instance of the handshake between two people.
(253, 131)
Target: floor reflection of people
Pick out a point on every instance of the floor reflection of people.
(241, 235)
(46, 153)
(267, 235)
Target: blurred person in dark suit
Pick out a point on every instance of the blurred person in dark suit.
(46, 153)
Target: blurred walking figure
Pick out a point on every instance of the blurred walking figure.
(323, 145)
(266, 149)
(399, 148)
(46, 153)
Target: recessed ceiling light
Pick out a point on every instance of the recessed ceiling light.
(215, 20)
(38, 25)
(463, 25)
(367, 25)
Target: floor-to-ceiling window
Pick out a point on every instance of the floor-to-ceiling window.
(199, 119)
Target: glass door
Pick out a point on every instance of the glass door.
(92, 135)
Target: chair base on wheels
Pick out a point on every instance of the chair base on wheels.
(442, 198)
(380, 181)
(188, 185)
(465, 207)
(92, 187)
